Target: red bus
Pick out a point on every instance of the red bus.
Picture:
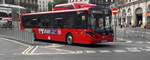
(76, 5)
(70, 26)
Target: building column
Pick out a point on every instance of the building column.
(133, 19)
(144, 17)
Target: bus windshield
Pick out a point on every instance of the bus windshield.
(101, 25)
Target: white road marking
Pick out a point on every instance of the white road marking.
(15, 42)
(24, 52)
(36, 47)
(119, 51)
(90, 51)
(49, 53)
(145, 49)
(62, 50)
(148, 50)
(79, 52)
(27, 51)
(104, 51)
(128, 41)
(53, 46)
(134, 49)
(139, 42)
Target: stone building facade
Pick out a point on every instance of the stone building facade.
(42, 5)
(134, 13)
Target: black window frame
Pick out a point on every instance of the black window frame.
(67, 20)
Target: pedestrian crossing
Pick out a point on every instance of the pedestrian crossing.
(61, 50)
(138, 42)
(106, 51)
(120, 40)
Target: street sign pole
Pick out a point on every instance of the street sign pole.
(115, 27)
(114, 13)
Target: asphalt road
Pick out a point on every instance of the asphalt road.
(12, 50)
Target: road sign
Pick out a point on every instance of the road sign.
(115, 11)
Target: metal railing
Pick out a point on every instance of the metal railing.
(135, 34)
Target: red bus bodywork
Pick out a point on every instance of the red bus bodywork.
(80, 36)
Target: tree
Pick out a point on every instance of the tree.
(52, 4)
(60, 1)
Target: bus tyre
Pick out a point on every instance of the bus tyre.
(69, 39)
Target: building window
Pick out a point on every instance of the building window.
(40, 2)
(112, 0)
(98, 1)
(95, 2)
(91, 1)
(106, 0)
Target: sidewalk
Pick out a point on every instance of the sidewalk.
(14, 34)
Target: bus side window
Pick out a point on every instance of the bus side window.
(26, 21)
(82, 20)
(69, 20)
(34, 22)
(59, 22)
(42, 21)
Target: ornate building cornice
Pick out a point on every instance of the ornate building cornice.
(132, 3)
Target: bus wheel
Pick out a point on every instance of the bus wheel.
(69, 39)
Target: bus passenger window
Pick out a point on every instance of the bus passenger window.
(34, 22)
(59, 22)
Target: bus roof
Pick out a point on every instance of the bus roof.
(82, 9)
(70, 3)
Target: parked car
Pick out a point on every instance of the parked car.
(5, 22)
